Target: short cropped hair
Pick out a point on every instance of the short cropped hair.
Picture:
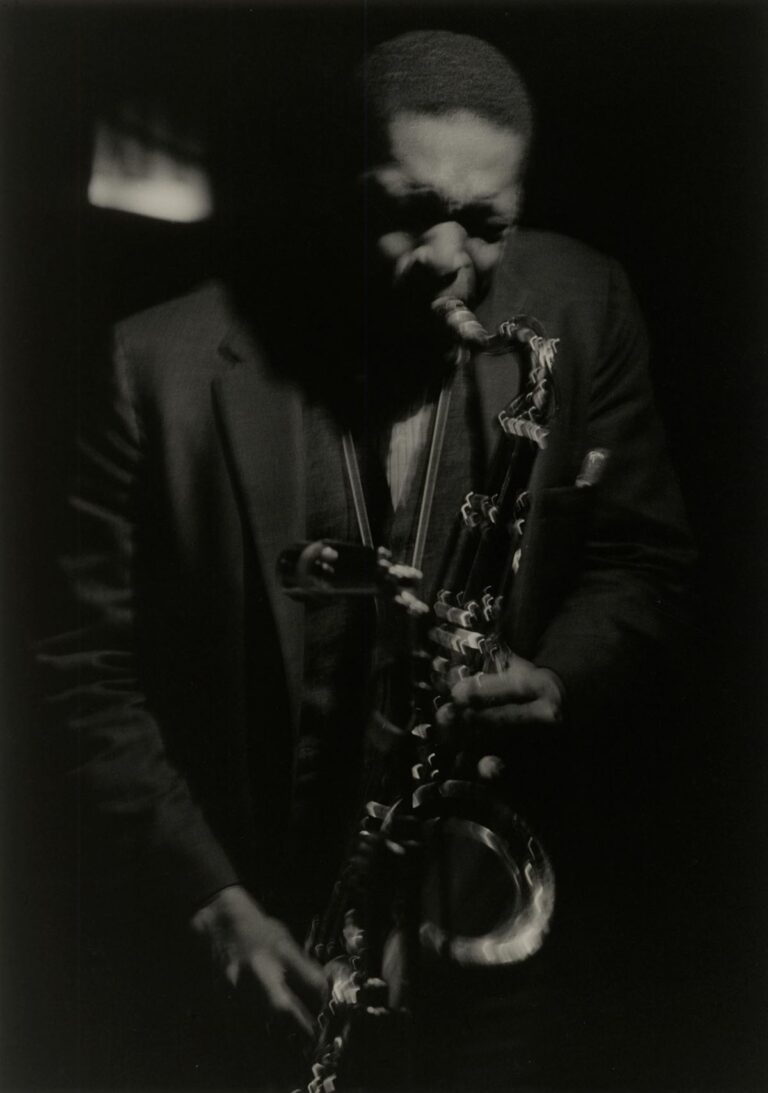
(438, 72)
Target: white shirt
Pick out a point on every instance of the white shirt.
(406, 442)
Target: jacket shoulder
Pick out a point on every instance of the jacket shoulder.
(568, 264)
(180, 334)
(561, 282)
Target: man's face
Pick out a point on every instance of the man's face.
(441, 206)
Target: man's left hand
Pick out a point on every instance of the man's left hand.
(521, 695)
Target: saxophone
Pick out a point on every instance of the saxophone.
(439, 866)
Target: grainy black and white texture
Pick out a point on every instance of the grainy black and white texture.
(650, 147)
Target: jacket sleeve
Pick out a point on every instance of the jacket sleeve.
(627, 613)
(139, 823)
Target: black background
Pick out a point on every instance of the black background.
(651, 146)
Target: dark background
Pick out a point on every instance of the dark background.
(651, 146)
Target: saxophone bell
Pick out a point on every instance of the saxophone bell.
(488, 892)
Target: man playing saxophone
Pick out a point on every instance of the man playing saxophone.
(214, 726)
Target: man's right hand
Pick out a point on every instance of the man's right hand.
(259, 958)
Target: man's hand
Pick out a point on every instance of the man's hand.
(257, 956)
(521, 695)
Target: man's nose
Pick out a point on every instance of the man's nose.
(442, 251)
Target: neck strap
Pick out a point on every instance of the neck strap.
(426, 502)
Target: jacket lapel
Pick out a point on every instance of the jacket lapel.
(555, 526)
(260, 421)
(498, 377)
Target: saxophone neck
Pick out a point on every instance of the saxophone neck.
(469, 334)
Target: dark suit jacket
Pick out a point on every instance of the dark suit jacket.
(173, 694)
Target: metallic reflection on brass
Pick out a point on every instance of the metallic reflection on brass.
(489, 889)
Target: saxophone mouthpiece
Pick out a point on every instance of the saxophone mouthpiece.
(463, 323)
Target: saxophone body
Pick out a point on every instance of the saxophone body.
(439, 866)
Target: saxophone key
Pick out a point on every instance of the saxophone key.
(472, 511)
(458, 616)
(374, 992)
(458, 640)
(376, 810)
(460, 671)
(440, 664)
(421, 731)
(490, 607)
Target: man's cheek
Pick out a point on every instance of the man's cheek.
(485, 256)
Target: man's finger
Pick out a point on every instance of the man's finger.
(307, 978)
(540, 712)
(281, 999)
(284, 1003)
(518, 682)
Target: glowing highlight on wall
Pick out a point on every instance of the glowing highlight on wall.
(148, 178)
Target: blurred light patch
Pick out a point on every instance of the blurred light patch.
(145, 174)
